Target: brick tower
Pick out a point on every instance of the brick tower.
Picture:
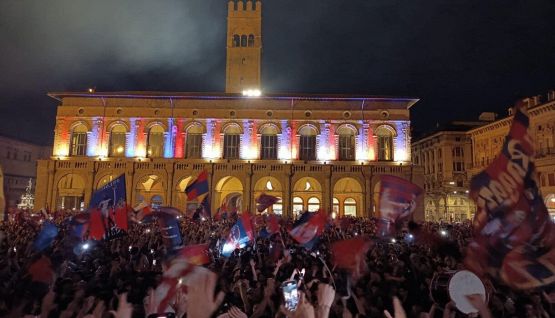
(244, 46)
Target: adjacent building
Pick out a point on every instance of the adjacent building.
(311, 151)
(18, 160)
(450, 157)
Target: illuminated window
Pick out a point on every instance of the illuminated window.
(268, 140)
(232, 142)
(385, 144)
(336, 206)
(346, 143)
(350, 207)
(78, 146)
(155, 148)
(251, 40)
(193, 146)
(298, 205)
(313, 204)
(277, 208)
(117, 141)
(307, 143)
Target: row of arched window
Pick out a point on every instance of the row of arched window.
(243, 40)
(232, 142)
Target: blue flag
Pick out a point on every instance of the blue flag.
(110, 195)
(240, 234)
(46, 236)
(169, 228)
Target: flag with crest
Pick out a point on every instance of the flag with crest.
(514, 238)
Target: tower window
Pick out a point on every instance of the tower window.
(117, 141)
(193, 146)
(251, 40)
(346, 143)
(236, 40)
(243, 40)
(385, 144)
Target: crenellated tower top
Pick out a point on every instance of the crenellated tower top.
(244, 46)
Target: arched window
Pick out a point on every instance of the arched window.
(155, 142)
(350, 207)
(78, 146)
(244, 40)
(336, 206)
(277, 208)
(385, 144)
(307, 143)
(268, 142)
(313, 204)
(346, 143)
(298, 205)
(117, 141)
(193, 146)
(236, 40)
(251, 40)
(232, 142)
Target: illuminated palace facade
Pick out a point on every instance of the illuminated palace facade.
(310, 151)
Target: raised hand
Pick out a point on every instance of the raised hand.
(201, 294)
(397, 310)
(124, 308)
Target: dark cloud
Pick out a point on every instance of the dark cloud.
(460, 57)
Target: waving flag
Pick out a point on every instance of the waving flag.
(96, 228)
(196, 254)
(308, 228)
(350, 254)
(240, 234)
(265, 201)
(41, 270)
(121, 218)
(272, 224)
(46, 236)
(197, 187)
(79, 224)
(514, 238)
(169, 228)
(110, 195)
(397, 201)
(205, 204)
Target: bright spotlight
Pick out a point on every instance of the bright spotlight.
(86, 246)
(443, 233)
(393, 240)
(252, 92)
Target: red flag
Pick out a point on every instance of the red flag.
(350, 254)
(121, 218)
(96, 227)
(196, 254)
(264, 201)
(41, 270)
(273, 224)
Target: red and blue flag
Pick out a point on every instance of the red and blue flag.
(198, 187)
(240, 234)
(308, 228)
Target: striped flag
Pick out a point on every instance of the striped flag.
(197, 187)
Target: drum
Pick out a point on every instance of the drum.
(454, 286)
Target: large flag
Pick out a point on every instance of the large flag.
(3, 212)
(111, 195)
(351, 255)
(41, 270)
(46, 236)
(97, 228)
(514, 238)
(264, 201)
(196, 254)
(169, 228)
(240, 234)
(197, 187)
(308, 228)
(397, 202)
(205, 204)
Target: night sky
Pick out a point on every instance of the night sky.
(461, 57)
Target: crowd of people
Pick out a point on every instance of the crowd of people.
(118, 276)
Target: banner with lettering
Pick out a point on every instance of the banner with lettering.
(514, 238)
